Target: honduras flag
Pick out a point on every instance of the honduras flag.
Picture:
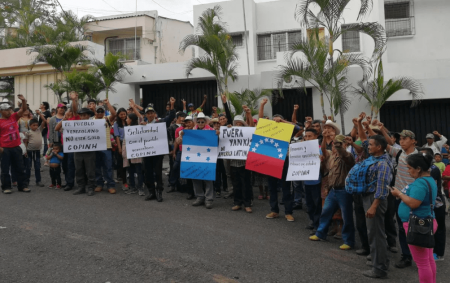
(199, 155)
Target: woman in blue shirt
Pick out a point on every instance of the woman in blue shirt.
(416, 199)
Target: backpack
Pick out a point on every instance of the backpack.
(356, 181)
(394, 172)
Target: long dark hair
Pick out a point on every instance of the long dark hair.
(118, 120)
(134, 119)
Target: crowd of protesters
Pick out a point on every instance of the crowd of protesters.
(399, 177)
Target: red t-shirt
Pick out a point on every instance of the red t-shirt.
(9, 131)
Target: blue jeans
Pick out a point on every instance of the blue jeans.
(70, 174)
(103, 169)
(12, 158)
(135, 168)
(298, 191)
(314, 203)
(175, 171)
(343, 200)
(34, 156)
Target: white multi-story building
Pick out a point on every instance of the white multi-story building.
(416, 47)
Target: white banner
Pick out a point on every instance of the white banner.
(234, 142)
(148, 140)
(84, 135)
(304, 161)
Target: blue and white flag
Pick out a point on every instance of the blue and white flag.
(199, 155)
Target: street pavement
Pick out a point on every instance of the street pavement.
(50, 235)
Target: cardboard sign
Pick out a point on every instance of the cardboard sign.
(148, 140)
(84, 135)
(199, 155)
(271, 129)
(304, 161)
(234, 142)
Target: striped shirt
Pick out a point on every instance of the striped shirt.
(402, 178)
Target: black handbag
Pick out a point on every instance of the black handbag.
(420, 230)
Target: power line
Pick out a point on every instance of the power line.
(170, 10)
(110, 5)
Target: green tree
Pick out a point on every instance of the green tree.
(220, 58)
(58, 88)
(378, 91)
(249, 98)
(330, 16)
(111, 71)
(309, 60)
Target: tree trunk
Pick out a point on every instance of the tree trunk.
(322, 105)
(341, 113)
(371, 111)
(106, 93)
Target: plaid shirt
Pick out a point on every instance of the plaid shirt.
(382, 173)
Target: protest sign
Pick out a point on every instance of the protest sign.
(199, 155)
(148, 140)
(234, 142)
(304, 161)
(84, 135)
(269, 147)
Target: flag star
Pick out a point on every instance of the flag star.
(254, 149)
(188, 149)
(208, 159)
(279, 150)
(261, 141)
(276, 144)
(280, 155)
(198, 154)
(187, 157)
(256, 145)
(266, 140)
(208, 150)
(272, 141)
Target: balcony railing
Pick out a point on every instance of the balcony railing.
(400, 27)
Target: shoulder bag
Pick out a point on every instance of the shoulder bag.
(420, 230)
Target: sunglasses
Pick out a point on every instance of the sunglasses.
(100, 111)
(201, 122)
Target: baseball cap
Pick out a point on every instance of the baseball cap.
(5, 106)
(407, 134)
(150, 108)
(430, 136)
(190, 105)
(61, 105)
(339, 138)
(100, 107)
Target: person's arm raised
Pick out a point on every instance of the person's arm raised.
(294, 114)
(261, 108)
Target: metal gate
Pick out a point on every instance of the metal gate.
(284, 105)
(192, 92)
(430, 115)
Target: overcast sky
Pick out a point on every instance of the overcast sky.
(177, 9)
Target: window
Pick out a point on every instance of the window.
(124, 46)
(237, 39)
(350, 41)
(270, 44)
(399, 15)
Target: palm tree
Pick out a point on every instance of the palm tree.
(58, 88)
(111, 72)
(308, 59)
(330, 16)
(377, 91)
(220, 57)
(248, 97)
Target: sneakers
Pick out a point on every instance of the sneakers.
(272, 215)
(371, 274)
(438, 258)
(39, 184)
(289, 218)
(98, 189)
(209, 204)
(345, 247)
(236, 207)
(7, 191)
(248, 210)
(198, 202)
(112, 190)
(58, 187)
(131, 191)
(404, 262)
(51, 186)
(141, 192)
(125, 187)
(314, 238)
